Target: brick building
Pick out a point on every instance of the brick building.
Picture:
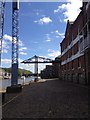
(52, 71)
(57, 67)
(75, 48)
(47, 72)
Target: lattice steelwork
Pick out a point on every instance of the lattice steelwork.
(15, 37)
(40, 60)
(15, 34)
(36, 59)
(2, 7)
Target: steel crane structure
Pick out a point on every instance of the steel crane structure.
(15, 37)
(15, 87)
(2, 8)
(36, 59)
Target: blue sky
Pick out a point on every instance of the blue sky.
(41, 29)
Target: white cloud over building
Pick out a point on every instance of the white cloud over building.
(70, 10)
(44, 20)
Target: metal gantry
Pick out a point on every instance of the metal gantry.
(2, 8)
(15, 41)
(36, 59)
(40, 60)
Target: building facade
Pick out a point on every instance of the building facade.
(47, 73)
(57, 67)
(75, 48)
(52, 71)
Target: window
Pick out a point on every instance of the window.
(65, 67)
(81, 36)
(79, 63)
(70, 40)
(72, 64)
(88, 58)
(75, 48)
(68, 66)
(71, 52)
(81, 40)
(89, 26)
(62, 68)
(85, 32)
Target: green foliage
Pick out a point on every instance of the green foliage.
(7, 70)
(20, 71)
(23, 72)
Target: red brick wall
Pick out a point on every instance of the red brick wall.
(75, 68)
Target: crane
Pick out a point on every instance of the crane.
(37, 59)
(15, 37)
(2, 9)
(15, 87)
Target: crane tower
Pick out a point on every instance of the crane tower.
(15, 87)
(2, 7)
(15, 37)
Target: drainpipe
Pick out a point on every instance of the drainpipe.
(84, 49)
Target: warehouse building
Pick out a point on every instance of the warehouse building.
(52, 71)
(75, 48)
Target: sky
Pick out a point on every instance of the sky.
(42, 27)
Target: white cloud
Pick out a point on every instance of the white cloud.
(58, 34)
(49, 40)
(5, 45)
(70, 9)
(22, 48)
(53, 35)
(7, 39)
(22, 53)
(6, 62)
(57, 10)
(37, 12)
(4, 51)
(21, 43)
(53, 53)
(42, 66)
(31, 66)
(44, 20)
(26, 66)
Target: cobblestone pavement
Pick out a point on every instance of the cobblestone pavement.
(48, 99)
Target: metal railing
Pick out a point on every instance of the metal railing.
(85, 44)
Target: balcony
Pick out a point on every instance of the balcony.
(71, 44)
(85, 44)
(73, 57)
(88, 10)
